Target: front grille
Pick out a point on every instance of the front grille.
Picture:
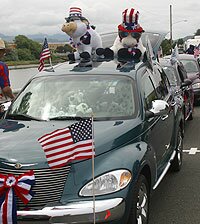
(48, 188)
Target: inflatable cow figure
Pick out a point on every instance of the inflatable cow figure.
(84, 38)
(128, 45)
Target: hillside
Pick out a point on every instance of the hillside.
(60, 37)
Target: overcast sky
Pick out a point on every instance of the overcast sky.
(46, 16)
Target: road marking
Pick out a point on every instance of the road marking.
(192, 151)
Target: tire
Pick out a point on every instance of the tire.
(140, 204)
(191, 113)
(190, 117)
(178, 159)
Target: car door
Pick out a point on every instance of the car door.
(187, 92)
(160, 128)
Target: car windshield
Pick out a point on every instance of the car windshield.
(154, 38)
(171, 75)
(190, 66)
(104, 96)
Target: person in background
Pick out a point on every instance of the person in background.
(190, 50)
(4, 74)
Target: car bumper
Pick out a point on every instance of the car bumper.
(80, 212)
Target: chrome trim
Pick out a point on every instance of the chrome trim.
(165, 170)
(48, 187)
(21, 165)
(80, 211)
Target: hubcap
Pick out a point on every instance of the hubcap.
(142, 205)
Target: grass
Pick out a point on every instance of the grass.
(14, 63)
(34, 62)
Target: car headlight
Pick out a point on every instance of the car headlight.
(107, 183)
(196, 85)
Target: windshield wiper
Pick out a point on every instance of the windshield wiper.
(62, 118)
(24, 117)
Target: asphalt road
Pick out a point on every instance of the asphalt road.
(177, 198)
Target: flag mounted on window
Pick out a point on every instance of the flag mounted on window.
(175, 55)
(197, 51)
(74, 142)
(45, 54)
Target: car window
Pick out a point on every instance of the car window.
(148, 90)
(154, 38)
(182, 72)
(190, 66)
(171, 75)
(161, 83)
(106, 96)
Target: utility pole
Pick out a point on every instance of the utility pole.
(171, 28)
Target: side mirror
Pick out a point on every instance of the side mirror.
(187, 82)
(159, 108)
(4, 107)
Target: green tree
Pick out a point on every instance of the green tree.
(60, 49)
(22, 42)
(197, 32)
(166, 47)
(180, 41)
(64, 49)
(12, 55)
(33, 47)
(25, 55)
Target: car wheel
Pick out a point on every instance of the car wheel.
(178, 159)
(190, 117)
(140, 204)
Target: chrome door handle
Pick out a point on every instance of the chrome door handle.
(164, 117)
(173, 103)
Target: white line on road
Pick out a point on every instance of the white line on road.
(192, 151)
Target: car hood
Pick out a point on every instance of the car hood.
(19, 139)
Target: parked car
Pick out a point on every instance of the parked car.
(181, 85)
(193, 69)
(138, 133)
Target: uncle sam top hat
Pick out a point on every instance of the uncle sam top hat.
(130, 21)
(75, 12)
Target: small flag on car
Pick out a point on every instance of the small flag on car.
(74, 142)
(197, 51)
(175, 55)
(45, 54)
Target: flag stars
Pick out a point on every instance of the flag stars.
(82, 131)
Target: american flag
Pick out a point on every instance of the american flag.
(175, 55)
(74, 142)
(197, 51)
(45, 54)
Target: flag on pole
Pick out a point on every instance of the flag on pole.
(74, 142)
(197, 51)
(45, 54)
(175, 55)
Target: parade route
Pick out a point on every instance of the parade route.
(176, 200)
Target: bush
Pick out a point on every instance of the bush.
(25, 54)
(12, 55)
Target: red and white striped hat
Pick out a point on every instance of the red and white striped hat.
(130, 21)
(75, 11)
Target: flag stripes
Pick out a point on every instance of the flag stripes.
(45, 54)
(71, 143)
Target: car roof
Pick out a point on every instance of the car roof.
(165, 62)
(100, 68)
(187, 57)
(156, 37)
